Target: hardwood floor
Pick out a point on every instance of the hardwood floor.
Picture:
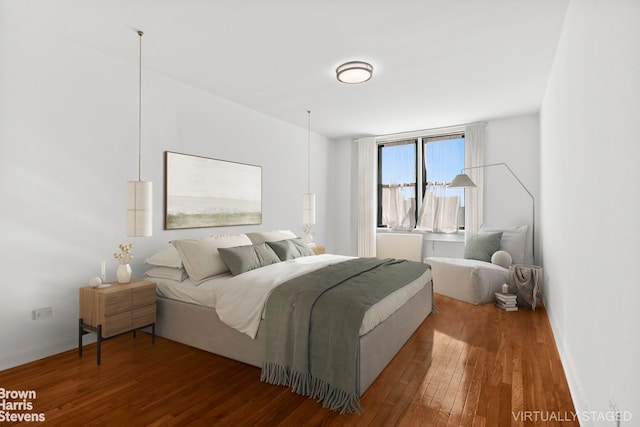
(465, 366)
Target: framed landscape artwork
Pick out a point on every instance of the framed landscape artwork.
(204, 192)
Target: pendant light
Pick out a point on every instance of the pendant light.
(139, 193)
(309, 198)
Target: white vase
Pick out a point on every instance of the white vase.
(124, 273)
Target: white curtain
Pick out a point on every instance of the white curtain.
(367, 178)
(439, 213)
(398, 211)
(474, 156)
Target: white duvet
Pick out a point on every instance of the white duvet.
(240, 300)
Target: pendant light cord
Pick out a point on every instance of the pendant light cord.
(309, 152)
(140, 33)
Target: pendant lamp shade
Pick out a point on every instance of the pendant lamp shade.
(139, 209)
(309, 208)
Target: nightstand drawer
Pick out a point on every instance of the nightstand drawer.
(116, 324)
(117, 302)
(144, 316)
(143, 296)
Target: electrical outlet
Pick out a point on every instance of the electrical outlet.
(43, 313)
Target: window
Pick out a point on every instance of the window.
(397, 184)
(436, 207)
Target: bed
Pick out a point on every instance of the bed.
(211, 314)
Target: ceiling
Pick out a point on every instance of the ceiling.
(436, 62)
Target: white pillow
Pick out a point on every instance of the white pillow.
(177, 274)
(501, 258)
(271, 236)
(201, 258)
(166, 258)
(514, 240)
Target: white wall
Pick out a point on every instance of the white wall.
(68, 144)
(343, 219)
(516, 142)
(590, 168)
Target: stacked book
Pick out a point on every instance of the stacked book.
(506, 302)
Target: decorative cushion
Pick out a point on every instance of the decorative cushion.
(177, 274)
(166, 258)
(501, 258)
(291, 248)
(201, 258)
(514, 240)
(270, 236)
(482, 246)
(245, 258)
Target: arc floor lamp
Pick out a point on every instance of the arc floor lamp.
(462, 180)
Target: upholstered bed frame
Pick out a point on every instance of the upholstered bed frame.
(200, 327)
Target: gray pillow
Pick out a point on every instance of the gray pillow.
(482, 246)
(241, 259)
(290, 249)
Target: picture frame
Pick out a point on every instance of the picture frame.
(205, 192)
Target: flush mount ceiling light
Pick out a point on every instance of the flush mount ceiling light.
(354, 72)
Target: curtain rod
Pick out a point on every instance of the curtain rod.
(426, 132)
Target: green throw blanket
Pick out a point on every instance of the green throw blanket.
(313, 324)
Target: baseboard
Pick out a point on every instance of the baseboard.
(25, 357)
(567, 364)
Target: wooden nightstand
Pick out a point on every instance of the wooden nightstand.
(318, 250)
(117, 310)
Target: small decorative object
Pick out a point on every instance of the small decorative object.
(124, 269)
(501, 258)
(123, 273)
(96, 282)
(505, 288)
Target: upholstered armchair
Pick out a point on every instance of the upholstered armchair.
(475, 278)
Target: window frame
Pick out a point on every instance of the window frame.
(419, 140)
(380, 186)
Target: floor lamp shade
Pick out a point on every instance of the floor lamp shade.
(462, 181)
(139, 209)
(309, 208)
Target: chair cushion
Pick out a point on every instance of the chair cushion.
(482, 246)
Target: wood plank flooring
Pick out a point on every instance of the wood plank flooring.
(465, 366)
